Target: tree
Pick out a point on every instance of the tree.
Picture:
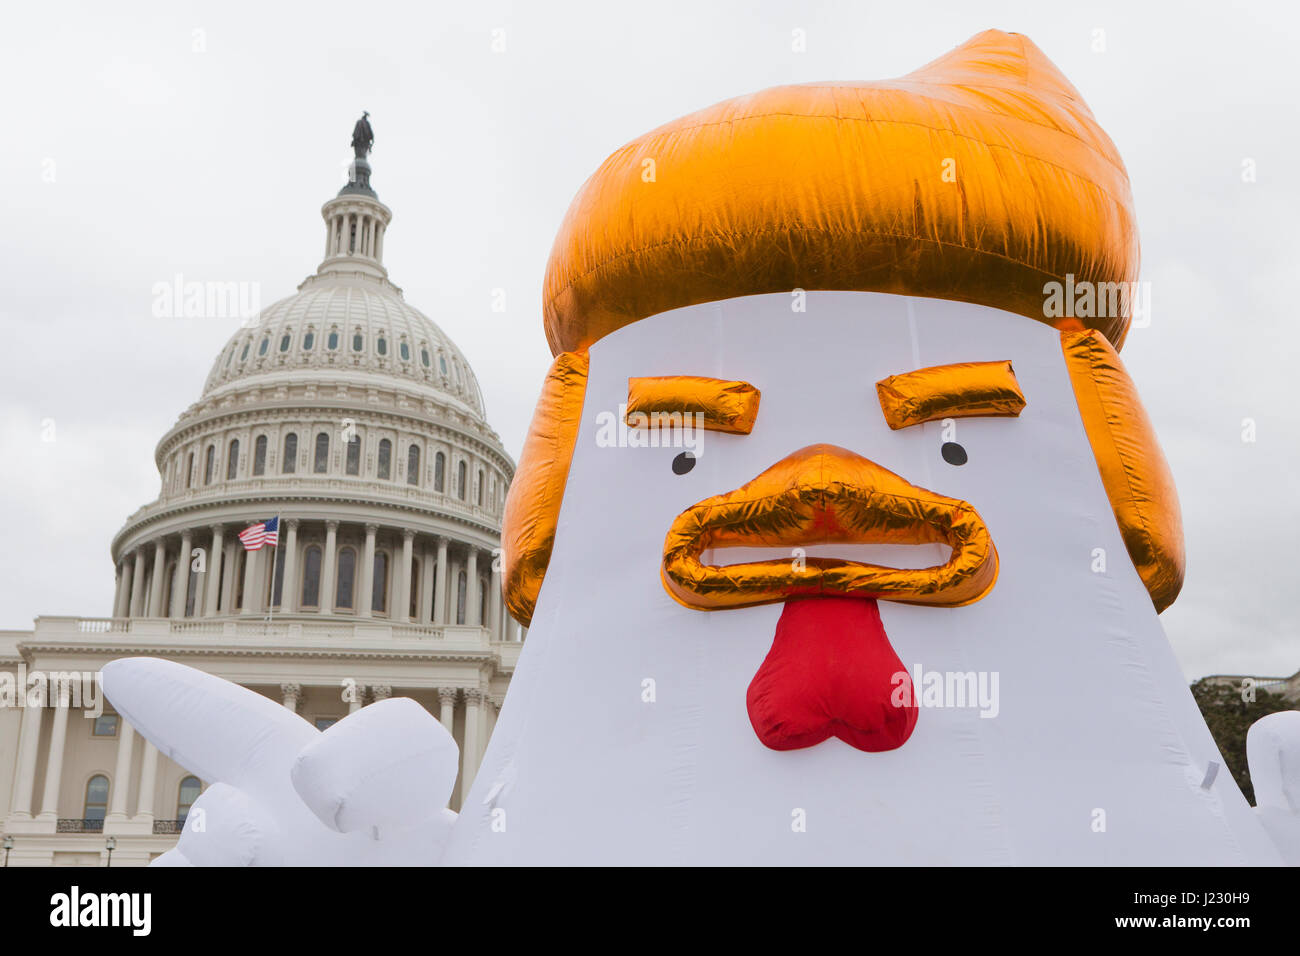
(1229, 713)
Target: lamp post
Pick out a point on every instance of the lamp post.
(111, 844)
(8, 845)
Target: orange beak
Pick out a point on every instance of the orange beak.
(824, 494)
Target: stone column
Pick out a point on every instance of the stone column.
(230, 550)
(122, 770)
(402, 593)
(447, 706)
(292, 695)
(289, 588)
(470, 757)
(181, 579)
(156, 581)
(472, 610)
(329, 561)
(494, 610)
(137, 583)
(252, 593)
(356, 703)
(212, 572)
(368, 572)
(148, 784)
(29, 740)
(54, 759)
(123, 606)
(425, 615)
(440, 585)
(119, 589)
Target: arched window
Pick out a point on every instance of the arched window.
(308, 341)
(266, 342)
(189, 471)
(405, 351)
(244, 354)
(385, 458)
(358, 341)
(259, 455)
(354, 456)
(460, 480)
(379, 593)
(347, 571)
(424, 357)
(439, 468)
(186, 794)
(414, 592)
(413, 465)
(232, 459)
(208, 463)
(460, 598)
(290, 454)
(442, 364)
(321, 464)
(284, 342)
(381, 345)
(332, 343)
(311, 577)
(480, 487)
(96, 799)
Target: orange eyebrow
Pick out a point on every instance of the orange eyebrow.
(719, 405)
(965, 390)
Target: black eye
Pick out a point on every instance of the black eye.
(953, 453)
(683, 463)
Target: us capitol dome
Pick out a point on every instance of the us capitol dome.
(352, 417)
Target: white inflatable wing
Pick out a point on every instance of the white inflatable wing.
(368, 791)
(387, 765)
(1273, 753)
(215, 729)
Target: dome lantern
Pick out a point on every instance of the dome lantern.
(355, 219)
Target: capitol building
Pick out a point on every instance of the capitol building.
(352, 417)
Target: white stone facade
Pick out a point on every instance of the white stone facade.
(354, 419)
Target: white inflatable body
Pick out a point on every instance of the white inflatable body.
(1092, 750)
(625, 737)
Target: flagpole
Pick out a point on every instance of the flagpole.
(270, 605)
(275, 553)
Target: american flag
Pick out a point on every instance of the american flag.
(264, 532)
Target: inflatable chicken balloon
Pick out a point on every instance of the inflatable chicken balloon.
(840, 530)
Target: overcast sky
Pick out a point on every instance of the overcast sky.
(145, 140)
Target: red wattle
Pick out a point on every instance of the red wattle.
(832, 672)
